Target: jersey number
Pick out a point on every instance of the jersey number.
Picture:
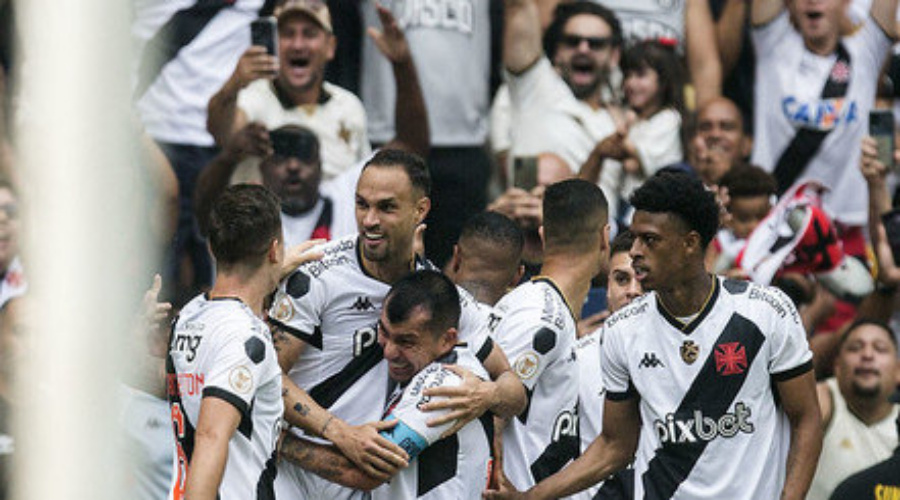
(181, 473)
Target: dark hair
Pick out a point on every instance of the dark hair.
(430, 290)
(566, 11)
(654, 55)
(496, 228)
(621, 243)
(243, 222)
(295, 141)
(745, 181)
(574, 210)
(412, 164)
(683, 195)
(863, 322)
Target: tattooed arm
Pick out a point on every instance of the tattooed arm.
(325, 461)
(362, 444)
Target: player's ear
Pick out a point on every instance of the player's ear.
(693, 242)
(423, 206)
(275, 253)
(449, 338)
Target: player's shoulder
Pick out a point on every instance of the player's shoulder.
(339, 254)
(537, 303)
(637, 311)
(760, 301)
(219, 321)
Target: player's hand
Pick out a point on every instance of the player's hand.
(390, 40)
(300, 254)
(612, 146)
(369, 450)
(505, 491)
(155, 315)
(465, 402)
(255, 63)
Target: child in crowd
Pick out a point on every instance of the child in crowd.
(653, 90)
(750, 194)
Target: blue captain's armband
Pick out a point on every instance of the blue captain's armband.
(405, 437)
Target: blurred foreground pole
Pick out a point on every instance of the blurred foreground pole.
(85, 229)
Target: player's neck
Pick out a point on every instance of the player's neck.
(689, 296)
(869, 410)
(573, 280)
(388, 271)
(251, 291)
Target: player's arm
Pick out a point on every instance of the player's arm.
(521, 35)
(730, 34)
(799, 401)
(701, 51)
(363, 445)
(611, 451)
(217, 422)
(764, 11)
(327, 462)
(410, 113)
(504, 395)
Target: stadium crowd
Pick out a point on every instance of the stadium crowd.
(454, 249)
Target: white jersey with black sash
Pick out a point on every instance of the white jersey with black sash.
(711, 424)
(453, 468)
(535, 327)
(219, 348)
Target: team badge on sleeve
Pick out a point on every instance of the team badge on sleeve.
(284, 310)
(690, 351)
(241, 380)
(526, 365)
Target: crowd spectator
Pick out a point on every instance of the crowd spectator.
(720, 141)
(818, 86)
(446, 38)
(557, 99)
(878, 482)
(290, 89)
(184, 53)
(858, 418)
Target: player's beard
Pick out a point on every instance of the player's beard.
(871, 392)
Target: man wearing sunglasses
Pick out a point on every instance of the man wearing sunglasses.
(559, 101)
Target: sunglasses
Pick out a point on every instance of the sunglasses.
(594, 42)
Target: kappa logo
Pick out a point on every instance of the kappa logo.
(731, 358)
(362, 304)
(650, 361)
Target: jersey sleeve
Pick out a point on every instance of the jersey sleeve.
(789, 354)
(530, 345)
(411, 432)
(614, 366)
(538, 85)
(298, 305)
(237, 367)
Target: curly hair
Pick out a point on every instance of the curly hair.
(682, 195)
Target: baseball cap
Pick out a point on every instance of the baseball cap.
(295, 141)
(313, 9)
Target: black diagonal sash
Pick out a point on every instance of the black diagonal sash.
(712, 393)
(806, 142)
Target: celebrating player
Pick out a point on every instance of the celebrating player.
(692, 371)
(223, 377)
(327, 313)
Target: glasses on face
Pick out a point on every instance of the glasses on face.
(594, 42)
